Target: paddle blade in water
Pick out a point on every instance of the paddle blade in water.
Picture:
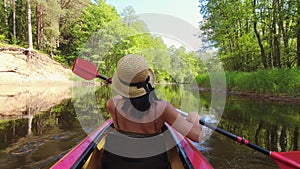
(287, 160)
(84, 69)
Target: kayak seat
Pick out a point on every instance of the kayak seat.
(130, 152)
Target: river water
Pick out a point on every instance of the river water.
(39, 139)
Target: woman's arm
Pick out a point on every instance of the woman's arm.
(110, 106)
(189, 127)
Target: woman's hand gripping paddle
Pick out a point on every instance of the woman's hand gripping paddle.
(87, 70)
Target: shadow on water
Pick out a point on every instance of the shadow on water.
(42, 139)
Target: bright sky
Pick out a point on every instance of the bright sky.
(184, 10)
(187, 10)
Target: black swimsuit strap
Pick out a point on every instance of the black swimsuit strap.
(116, 115)
(155, 120)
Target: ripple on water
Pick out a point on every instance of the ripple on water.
(252, 161)
(25, 148)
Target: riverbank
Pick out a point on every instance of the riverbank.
(280, 85)
(30, 83)
(19, 68)
(265, 97)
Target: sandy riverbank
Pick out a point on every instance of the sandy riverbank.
(31, 83)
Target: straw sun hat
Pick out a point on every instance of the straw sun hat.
(132, 77)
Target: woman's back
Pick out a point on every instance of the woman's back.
(151, 122)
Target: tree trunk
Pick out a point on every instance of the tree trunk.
(14, 18)
(276, 54)
(276, 47)
(5, 12)
(283, 30)
(29, 27)
(298, 47)
(262, 50)
(38, 25)
(270, 58)
(298, 37)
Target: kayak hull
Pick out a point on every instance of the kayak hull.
(181, 151)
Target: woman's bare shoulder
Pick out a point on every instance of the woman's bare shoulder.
(110, 104)
(162, 103)
(166, 106)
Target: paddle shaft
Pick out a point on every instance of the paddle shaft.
(236, 138)
(230, 135)
(108, 80)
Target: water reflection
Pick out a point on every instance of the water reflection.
(89, 105)
(28, 120)
(40, 140)
(53, 133)
(271, 125)
(19, 101)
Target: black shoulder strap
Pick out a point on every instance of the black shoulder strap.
(116, 115)
(155, 119)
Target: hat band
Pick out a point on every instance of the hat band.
(145, 84)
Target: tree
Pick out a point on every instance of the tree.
(92, 20)
(13, 2)
(29, 26)
(72, 11)
(298, 34)
(5, 12)
(257, 34)
(51, 33)
(231, 27)
(39, 15)
(276, 47)
(128, 16)
(21, 22)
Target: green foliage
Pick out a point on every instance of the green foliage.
(246, 58)
(203, 80)
(3, 39)
(51, 14)
(249, 33)
(93, 19)
(60, 59)
(271, 81)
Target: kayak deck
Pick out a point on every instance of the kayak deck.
(181, 153)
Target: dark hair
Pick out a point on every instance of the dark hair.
(140, 105)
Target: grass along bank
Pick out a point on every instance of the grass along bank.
(274, 82)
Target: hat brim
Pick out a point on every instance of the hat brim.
(130, 91)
